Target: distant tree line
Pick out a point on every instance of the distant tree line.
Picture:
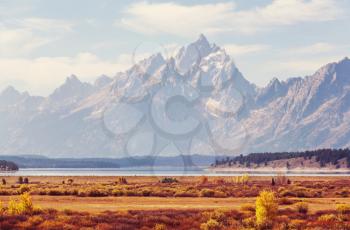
(8, 166)
(323, 156)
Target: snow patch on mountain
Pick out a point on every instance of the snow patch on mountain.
(83, 119)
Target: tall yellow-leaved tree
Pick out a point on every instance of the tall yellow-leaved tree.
(266, 208)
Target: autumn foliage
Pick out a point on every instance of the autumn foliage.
(266, 208)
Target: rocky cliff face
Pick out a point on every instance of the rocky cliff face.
(195, 102)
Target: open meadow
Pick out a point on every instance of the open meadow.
(242, 202)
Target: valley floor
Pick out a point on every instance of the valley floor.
(101, 204)
(160, 203)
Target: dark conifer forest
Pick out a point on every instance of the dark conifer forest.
(323, 156)
(8, 166)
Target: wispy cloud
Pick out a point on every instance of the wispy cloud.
(45, 24)
(15, 42)
(239, 50)
(21, 36)
(319, 47)
(173, 18)
(187, 20)
(298, 67)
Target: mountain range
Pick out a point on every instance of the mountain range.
(194, 102)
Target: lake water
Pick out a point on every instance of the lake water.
(145, 171)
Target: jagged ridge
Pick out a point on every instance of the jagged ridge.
(297, 114)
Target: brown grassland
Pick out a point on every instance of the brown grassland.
(175, 203)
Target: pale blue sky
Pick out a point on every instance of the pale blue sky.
(43, 41)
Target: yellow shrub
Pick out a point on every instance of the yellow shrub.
(327, 217)
(249, 222)
(211, 225)
(23, 189)
(22, 205)
(26, 203)
(343, 209)
(242, 179)
(219, 215)
(13, 207)
(160, 227)
(266, 208)
(245, 179)
(117, 192)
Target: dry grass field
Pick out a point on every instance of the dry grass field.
(101, 204)
(174, 203)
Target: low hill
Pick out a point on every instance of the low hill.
(36, 161)
(317, 160)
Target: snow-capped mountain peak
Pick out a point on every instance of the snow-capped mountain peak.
(9, 96)
(152, 64)
(193, 53)
(102, 81)
(71, 92)
(295, 114)
(9, 91)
